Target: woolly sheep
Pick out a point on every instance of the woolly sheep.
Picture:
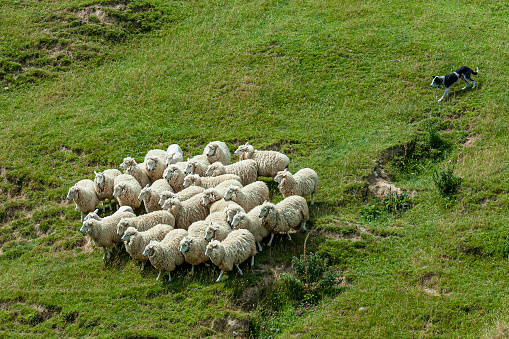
(269, 162)
(217, 151)
(303, 183)
(155, 168)
(174, 154)
(126, 191)
(213, 197)
(94, 215)
(175, 177)
(249, 196)
(146, 221)
(285, 215)
(160, 153)
(217, 231)
(196, 167)
(103, 232)
(138, 171)
(185, 194)
(233, 250)
(194, 244)
(230, 211)
(103, 184)
(208, 182)
(84, 196)
(151, 194)
(186, 212)
(253, 223)
(165, 255)
(247, 170)
(135, 241)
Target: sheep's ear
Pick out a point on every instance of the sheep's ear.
(95, 172)
(97, 210)
(265, 201)
(147, 186)
(247, 143)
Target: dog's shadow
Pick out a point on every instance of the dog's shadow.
(459, 93)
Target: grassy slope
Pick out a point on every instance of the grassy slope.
(338, 82)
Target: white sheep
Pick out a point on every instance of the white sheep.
(94, 215)
(185, 194)
(103, 185)
(217, 231)
(248, 196)
(138, 171)
(194, 244)
(213, 197)
(253, 223)
(247, 170)
(303, 183)
(174, 154)
(230, 211)
(151, 194)
(285, 215)
(174, 174)
(146, 221)
(208, 182)
(186, 212)
(195, 166)
(135, 241)
(84, 196)
(165, 255)
(126, 190)
(233, 250)
(155, 163)
(269, 162)
(217, 151)
(103, 232)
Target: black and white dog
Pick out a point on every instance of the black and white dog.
(448, 80)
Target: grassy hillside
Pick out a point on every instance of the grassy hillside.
(339, 86)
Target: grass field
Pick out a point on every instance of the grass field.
(339, 86)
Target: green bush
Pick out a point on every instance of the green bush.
(445, 181)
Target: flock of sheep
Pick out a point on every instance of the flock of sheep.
(204, 208)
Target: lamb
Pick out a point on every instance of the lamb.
(103, 185)
(303, 183)
(135, 241)
(84, 196)
(253, 223)
(195, 166)
(247, 170)
(103, 232)
(217, 231)
(217, 151)
(269, 162)
(175, 177)
(185, 194)
(94, 215)
(146, 221)
(165, 255)
(186, 212)
(138, 171)
(230, 211)
(285, 215)
(233, 250)
(151, 194)
(126, 190)
(249, 196)
(194, 244)
(208, 182)
(174, 154)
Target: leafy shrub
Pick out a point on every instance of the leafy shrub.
(445, 181)
(396, 204)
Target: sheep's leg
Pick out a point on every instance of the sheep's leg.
(104, 206)
(169, 276)
(303, 226)
(238, 267)
(312, 199)
(104, 253)
(192, 269)
(289, 237)
(81, 217)
(271, 238)
(220, 276)
(159, 275)
(252, 260)
(110, 201)
(259, 246)
(142, 266)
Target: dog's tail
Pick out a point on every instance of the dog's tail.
(477, 71)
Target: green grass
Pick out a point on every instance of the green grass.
(334, 84)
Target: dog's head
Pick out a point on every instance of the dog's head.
(437, 81)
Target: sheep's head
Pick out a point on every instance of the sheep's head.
(122, 225)
(144, 192)
(267, 207)
(149, 249)
(119, 189)
(190, 167)
(73, 192)
(151, 163)
(231, 192)
(190, 180)
(165, 195)
(281, 175)
(185, 244)
(129, 232)
(210, 231)
(211, 149)
(170, 203)
(247, 148)
(211, 247)
(87, 225)
(212, 168)
(237, 219)
(229, 212)
(128, 163)
(92, 215)
(173, 158)
(99, 178)
(209, 196)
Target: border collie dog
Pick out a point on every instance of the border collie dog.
(448, 80)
